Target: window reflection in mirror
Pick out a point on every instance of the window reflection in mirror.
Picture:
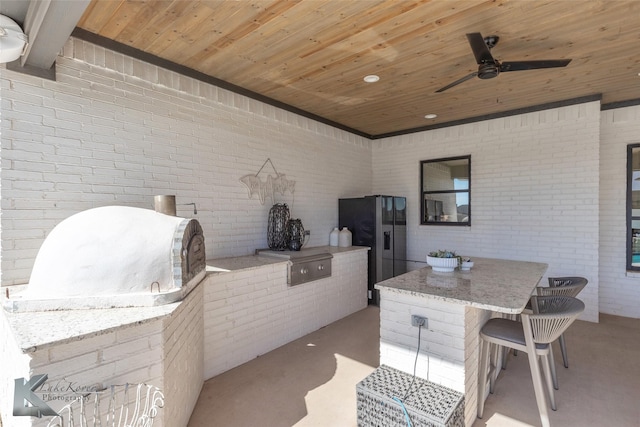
(445, 190)
(633, 207)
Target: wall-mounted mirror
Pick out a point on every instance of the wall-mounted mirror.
(445, 191)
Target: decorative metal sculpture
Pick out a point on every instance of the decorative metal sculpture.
(268, 188)
(277, 227)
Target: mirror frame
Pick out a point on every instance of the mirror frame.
(423, 219)
(632, 214)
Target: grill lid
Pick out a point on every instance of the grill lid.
(305, 265)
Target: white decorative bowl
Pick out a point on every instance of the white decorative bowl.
(443, 265)
(466, 265)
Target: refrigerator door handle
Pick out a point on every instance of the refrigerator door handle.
(387, 240)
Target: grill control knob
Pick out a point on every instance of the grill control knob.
(320, 267)
(304, 271)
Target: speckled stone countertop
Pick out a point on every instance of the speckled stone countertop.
(248, 262)
(36, 330)
(492, 284)
(41, 329)
(221, 265)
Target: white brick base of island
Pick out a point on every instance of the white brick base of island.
(235, 314)
(456, 306)
(449, 344)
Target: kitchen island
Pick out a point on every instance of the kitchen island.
(456, 306)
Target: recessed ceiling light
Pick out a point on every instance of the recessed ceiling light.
(430, 116)
(372, 78)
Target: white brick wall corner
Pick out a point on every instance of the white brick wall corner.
(535, 190)
(183, 360)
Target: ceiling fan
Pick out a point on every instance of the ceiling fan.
(488, 67)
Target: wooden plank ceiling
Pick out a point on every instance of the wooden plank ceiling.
(313, 54)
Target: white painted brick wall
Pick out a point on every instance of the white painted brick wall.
(116, 131)
(619, 290)
(475, 319)
(442, 342)
(183, 359)
(249, 313)
(534, 190)
(14, 364)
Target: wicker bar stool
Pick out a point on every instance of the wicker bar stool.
(567, 286)
(551, 316)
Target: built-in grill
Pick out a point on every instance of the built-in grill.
(304, 266)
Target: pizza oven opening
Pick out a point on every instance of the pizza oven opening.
(114, 256)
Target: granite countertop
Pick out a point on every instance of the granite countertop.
(268, 257)
(492, 284)
(41, 329)
(247, 262)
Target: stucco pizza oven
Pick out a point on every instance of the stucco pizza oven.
(114, 256)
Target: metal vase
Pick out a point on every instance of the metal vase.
(295, 234)
(277, 227)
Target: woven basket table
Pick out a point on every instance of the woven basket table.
(428, 404)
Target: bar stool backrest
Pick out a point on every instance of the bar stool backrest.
(552, 315)
(571, 290)
(564, 281)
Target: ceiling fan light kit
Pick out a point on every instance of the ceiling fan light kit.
(489, 67)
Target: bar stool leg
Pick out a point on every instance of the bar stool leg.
(547, 363)
(483, 374)
(495, 352)
(505, 354)
(538, 388)
(552, 368)
(563, 348)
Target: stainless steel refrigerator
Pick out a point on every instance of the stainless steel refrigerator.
(379, 222)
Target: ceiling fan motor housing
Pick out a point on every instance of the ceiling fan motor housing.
(488, 70)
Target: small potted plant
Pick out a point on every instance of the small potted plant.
(466, 264)
(443, 260)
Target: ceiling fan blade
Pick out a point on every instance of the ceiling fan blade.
(533, 65)
(479, 48)
(457, 82)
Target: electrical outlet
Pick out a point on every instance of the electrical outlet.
(418, 321)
